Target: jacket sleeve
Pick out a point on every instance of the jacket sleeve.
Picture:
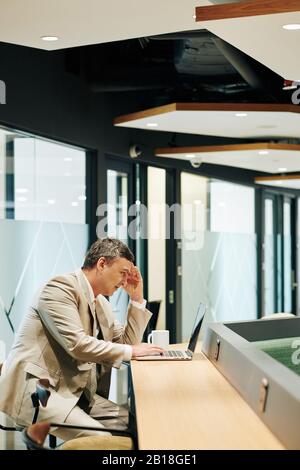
(132, 331)
(58, 310)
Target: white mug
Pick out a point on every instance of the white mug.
(159, 338)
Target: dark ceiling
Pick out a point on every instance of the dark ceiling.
(186, 66)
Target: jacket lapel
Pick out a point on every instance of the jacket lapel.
(103, 320)
(84, 291)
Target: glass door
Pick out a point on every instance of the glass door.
(119, 200)
(279, 287)
(268, 257)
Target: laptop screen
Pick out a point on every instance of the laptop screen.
(196, 328)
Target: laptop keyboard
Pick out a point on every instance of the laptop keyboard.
(173, 353)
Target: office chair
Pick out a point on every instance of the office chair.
(39, 397)
(153, 307)
(35, 435)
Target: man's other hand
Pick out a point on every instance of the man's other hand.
(134, 285)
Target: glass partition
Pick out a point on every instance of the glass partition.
(42, 220)
(41, 180)
(218, 251)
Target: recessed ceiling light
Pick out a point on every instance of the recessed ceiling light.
(51, 201)
(74, 203)
(21, 199)
(82, 198)
(68, 159)
(152, 124)
(282, 169)
(241, 114)
(263, 152)
(292, 26)
(190, 155)
(21, 190)
(266, 126)
(49, 38)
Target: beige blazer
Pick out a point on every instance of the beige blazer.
(57, 340)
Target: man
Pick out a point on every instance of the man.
(70, 337)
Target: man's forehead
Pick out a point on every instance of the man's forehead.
(124, 263)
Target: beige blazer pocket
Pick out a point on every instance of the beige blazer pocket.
(41, 373)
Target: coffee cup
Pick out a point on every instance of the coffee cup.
(159, 338)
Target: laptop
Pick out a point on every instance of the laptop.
(174, 355)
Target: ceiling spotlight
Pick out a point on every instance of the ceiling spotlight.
(152, 124)
(282, 169)
(241, 114)
(263, 152)
(49, 38)
(82, 198)
(292, 26)
(196, 161)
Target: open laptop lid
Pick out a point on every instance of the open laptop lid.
(196, 328)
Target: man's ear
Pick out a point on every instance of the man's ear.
(101, 263)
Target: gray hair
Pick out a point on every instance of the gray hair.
(109, 248)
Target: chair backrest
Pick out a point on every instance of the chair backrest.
(154, 307)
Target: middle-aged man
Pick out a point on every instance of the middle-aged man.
(70, 337)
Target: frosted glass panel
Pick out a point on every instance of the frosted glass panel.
(117, 224)
(223, 275)
(231, 208)
(41, 180)
(53, 176)
(31, 253)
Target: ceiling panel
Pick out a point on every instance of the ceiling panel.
(291, 182)
(265, 157)
(261, 36)
(241, 120)
(78, 22)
